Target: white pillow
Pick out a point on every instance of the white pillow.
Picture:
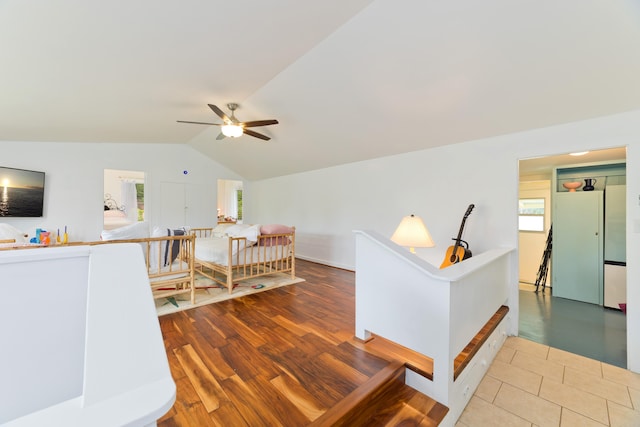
(233, 229)
(137, 230)
(8, 232)
(220, 230)
(168, 253)
(250, 232)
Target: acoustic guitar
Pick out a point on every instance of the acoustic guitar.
(460, 250)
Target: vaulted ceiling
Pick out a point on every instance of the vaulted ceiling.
(348, 80)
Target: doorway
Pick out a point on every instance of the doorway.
(552, 317)
(123, 197)
(230, 201)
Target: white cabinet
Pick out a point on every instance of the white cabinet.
(577, 254)
(589, 229)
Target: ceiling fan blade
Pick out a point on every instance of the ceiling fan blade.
(255, 134)
(199, 123)
(259, 123)
(220, 136)
(219, 112)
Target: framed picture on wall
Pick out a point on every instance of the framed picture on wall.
(21, 193)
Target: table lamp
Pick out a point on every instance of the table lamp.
(412, 233)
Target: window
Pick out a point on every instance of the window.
(239, 203)
(140, 200)
(531, 214)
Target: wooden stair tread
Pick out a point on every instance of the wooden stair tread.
(384, 399)
(419, 363)
(465, 356)
(422, 364)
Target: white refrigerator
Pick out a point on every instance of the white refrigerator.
(615, 255)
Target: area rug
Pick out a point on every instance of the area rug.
(210, 292)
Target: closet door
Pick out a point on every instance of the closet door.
(173, 209)
(186, 204)
(577, 251)
(200, 208)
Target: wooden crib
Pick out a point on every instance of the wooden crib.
(226, 259)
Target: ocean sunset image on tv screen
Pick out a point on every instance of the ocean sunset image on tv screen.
(21, 193)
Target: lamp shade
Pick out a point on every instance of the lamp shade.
(412, 233)
(232, 131)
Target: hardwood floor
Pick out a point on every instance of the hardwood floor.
(278, 358)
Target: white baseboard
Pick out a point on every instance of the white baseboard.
(325, 262)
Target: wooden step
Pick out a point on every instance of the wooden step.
(465, 356)
(383, 400)
(386, 349)
(422, 364)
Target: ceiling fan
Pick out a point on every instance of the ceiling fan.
(232, 127)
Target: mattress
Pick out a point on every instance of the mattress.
(216, 249)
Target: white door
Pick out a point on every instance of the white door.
(186, 204)
(172, 204)
(200, 208)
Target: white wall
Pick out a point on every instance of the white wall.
(438, 184)
(75, 173)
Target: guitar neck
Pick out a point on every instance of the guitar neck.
(460, 231)
(464, 220)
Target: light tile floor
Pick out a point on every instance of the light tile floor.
(531, 384)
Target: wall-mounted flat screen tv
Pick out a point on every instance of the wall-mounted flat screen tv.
(21, 193)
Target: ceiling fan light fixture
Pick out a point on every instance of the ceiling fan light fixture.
(231, 130)
(232, 127)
